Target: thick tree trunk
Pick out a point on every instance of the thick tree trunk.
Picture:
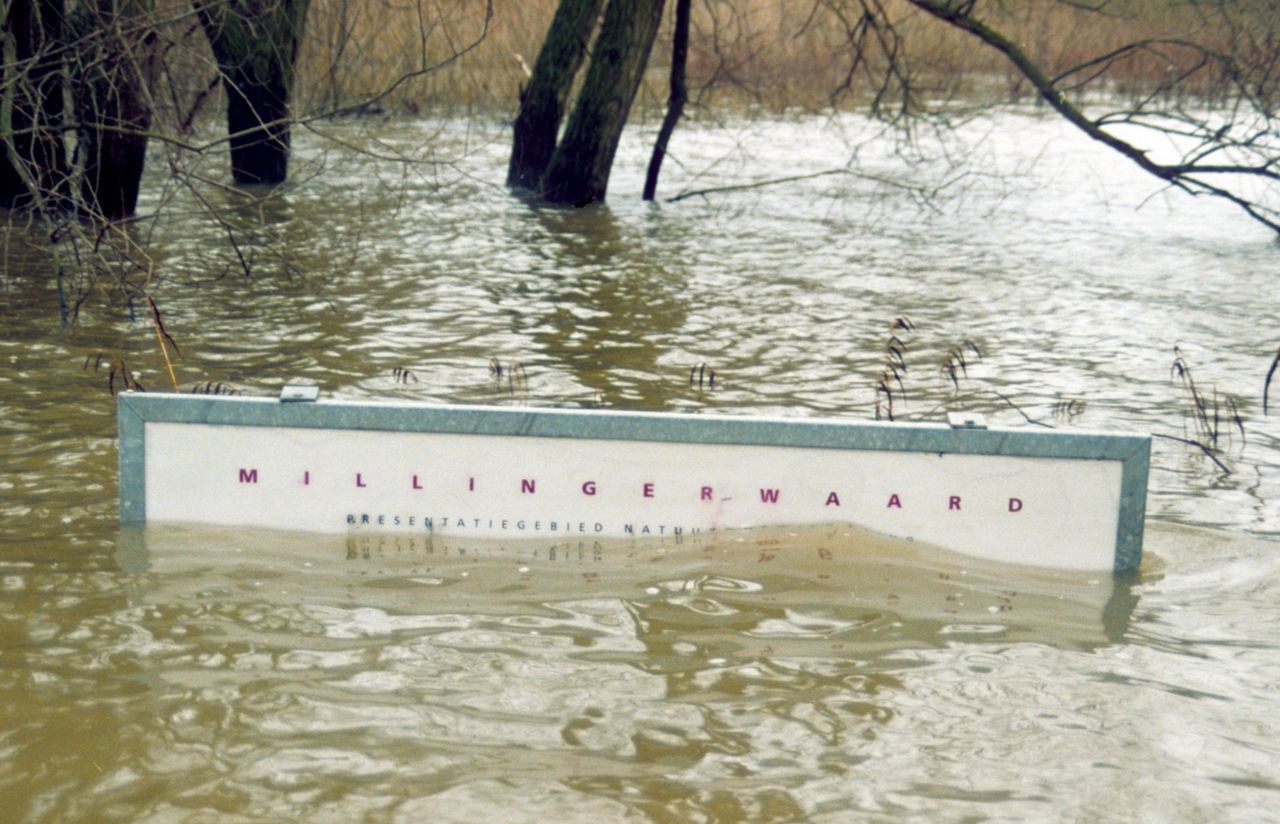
(675, 101)
(258, 123)
(113, 143)
(256, 45)
(112, 110)
(579, 169)
(33, 165)
(542, 101)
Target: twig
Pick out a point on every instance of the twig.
(161, 335)
(760, 184)
(1017, 408)
(1266, 387)
(1190, 442)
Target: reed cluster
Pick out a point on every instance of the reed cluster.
(777, 54)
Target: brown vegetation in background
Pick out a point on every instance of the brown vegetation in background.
(778, 54)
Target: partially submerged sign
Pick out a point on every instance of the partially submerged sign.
(1054, 499)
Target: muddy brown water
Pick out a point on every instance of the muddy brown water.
(184, 674)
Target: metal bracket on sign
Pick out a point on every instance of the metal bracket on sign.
(966, 420)
(299, 393)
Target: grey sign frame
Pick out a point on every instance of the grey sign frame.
(135, 410)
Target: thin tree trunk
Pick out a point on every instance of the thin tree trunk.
(675, 102)
(113, 145)
(33, 165)
(579, 170)
(542, 101)
(256, 45)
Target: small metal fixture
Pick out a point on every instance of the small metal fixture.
(299, 393)
(966, 420)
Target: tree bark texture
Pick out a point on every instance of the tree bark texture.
(542, 101)
(675, 101)
(255, 43)
(33, 164)
(112, 108)
(579, 170)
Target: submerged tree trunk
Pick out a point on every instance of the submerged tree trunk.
(579, 170)
(33, 165)
(256, 45)
(112, 108)
(542, 102)
(675, 101)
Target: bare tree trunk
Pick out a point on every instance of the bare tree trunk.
(256, 45)
(579, 170)
(542, 101)
(675, 102)
(33, 165)
(113, 110)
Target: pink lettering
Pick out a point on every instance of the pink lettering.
(833, 499)
(648, 490)
(471, 484)
(768, 496)
(1015, 504)
(589, 488)
(248, 476)
(416, 485)
(527, 486)
(954, 503)
(706, 493)
(894, 501)
(360, 481)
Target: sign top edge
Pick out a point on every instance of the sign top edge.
(139, 402)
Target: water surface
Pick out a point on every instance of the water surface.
(183, 674)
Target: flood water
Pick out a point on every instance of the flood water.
(182, 674)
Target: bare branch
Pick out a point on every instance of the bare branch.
(1188, 177)
(760, 184)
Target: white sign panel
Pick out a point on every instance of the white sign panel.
(1039, 509)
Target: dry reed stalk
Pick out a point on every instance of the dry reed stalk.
(116, 368)
(701, 375)
(401, 375)
(1208, 412)
(893, 365)
(1068, 408)
(517, 377)
(212, 388)
(955, 363)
